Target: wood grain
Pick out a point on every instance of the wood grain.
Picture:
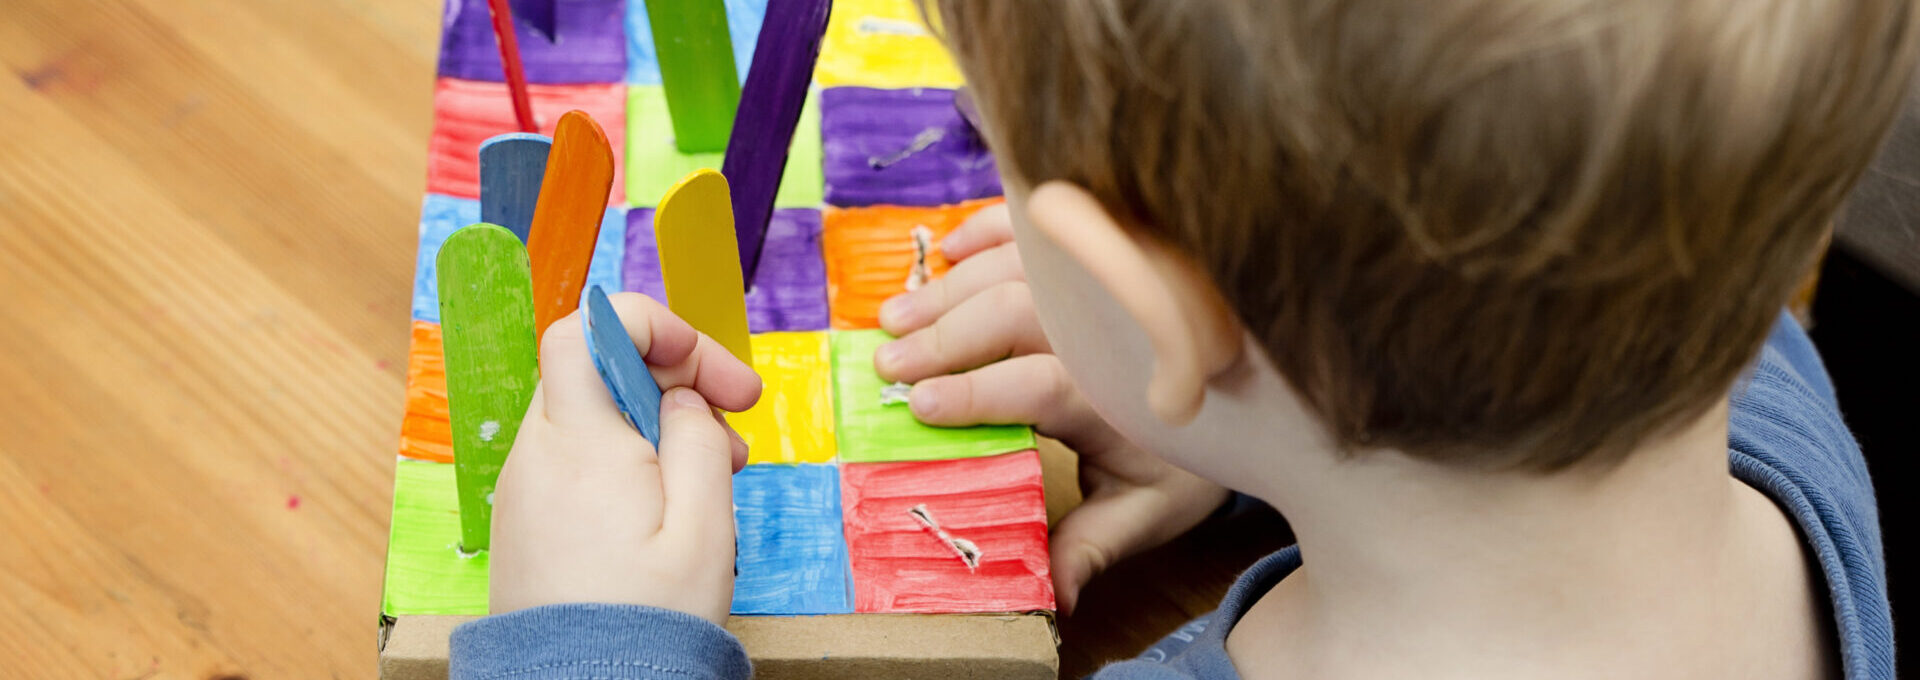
(207, 226)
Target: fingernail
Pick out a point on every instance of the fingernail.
(894, 310)
(923, 402)
(686, 397)
(888, 356)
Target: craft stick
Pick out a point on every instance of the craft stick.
(510, 60)
(541, 15)
(566, 221)
(621, 366)
(769, 109)
(699, 260)
(511, 166)
(697, 71)
(486, 323)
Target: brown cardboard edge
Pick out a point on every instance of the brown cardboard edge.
(1016, 646)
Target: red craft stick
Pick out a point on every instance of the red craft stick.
(510, 58)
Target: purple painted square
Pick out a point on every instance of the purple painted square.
(901, 147)
(591, 46)
(789, 293)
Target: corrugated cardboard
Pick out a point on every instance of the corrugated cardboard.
(1015, 646)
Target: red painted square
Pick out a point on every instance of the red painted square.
(901, 565)
(466, 113)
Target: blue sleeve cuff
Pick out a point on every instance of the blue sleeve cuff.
(598, 641)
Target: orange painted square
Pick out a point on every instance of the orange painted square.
(869, 252)
(425, 432)
(466, 113)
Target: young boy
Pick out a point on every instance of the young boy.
(1482, 295)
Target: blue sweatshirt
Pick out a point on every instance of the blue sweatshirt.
(1786, 440)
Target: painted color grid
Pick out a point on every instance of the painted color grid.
(466, 113)
(792, 558)
(789, 293)
(869, 252)
(793, 422)
(901, 565)
(426, 574)
(656, 164)
(901, 147)
(883, 43)
(822, 509)
(425, 432)
(872, 432)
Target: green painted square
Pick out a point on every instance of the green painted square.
(654, 164)
(425, 572)
(871, 433)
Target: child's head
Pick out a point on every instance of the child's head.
(1484, 232)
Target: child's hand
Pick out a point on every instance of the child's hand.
(979, 318)
(586, 511)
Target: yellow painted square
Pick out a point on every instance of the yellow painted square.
(883, 43)
(793, 423)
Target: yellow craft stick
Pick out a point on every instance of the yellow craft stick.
(700, 260)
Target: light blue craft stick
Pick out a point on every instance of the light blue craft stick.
(621, 366)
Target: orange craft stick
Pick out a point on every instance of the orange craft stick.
(566, 220)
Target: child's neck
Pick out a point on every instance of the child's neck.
(1416, 568)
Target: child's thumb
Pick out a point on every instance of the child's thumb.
(696, 464)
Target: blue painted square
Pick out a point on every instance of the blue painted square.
(793, 554)
(743, 27)
(441, 215)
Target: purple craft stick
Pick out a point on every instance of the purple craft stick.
(591, 45)
(770, 105)
(901, 147)
(788, 293)
(540, 15)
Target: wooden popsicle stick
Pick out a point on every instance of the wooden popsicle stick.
(511, 166)
(697, 71)
(542, 16)
(769, 109)
(699, 260)
(510, 62)
(486, 321)
(621, 367)
(566, 221)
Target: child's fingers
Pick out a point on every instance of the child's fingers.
(908, 312)
(571, 391)
(1029, 390)
(719, 376)
(696, 466)
(680, 356)
(989, 227)
(997, 323)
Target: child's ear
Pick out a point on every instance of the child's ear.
(1192, 329)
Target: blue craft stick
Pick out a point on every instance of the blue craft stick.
(621, 366)
(511, 166)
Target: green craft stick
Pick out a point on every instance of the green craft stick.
(486, 325)
(696, 68)
(871, 432)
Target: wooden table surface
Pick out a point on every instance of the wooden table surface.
(207, 215)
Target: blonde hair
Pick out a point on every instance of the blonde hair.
(1510, 233)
